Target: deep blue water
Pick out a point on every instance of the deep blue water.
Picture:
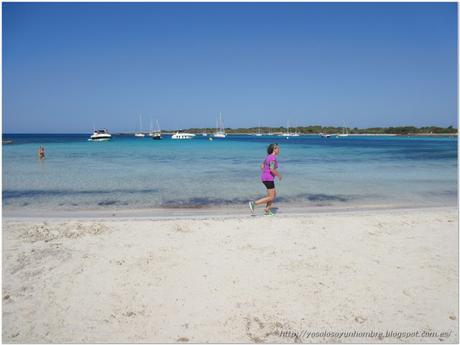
(130, 172)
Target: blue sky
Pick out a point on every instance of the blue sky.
(69, 65)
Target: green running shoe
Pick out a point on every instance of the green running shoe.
(252, 206)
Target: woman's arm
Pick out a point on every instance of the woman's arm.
(274, 171)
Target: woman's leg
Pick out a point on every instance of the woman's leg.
(270, 203)
(266, 199)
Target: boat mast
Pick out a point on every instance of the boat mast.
(221, 122)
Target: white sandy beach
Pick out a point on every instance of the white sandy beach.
(232, 279)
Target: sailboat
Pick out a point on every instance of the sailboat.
(296, 133)
(140, 134)
(287, 134)
(156, 134)
(258, 134)
(151, 128)
(220, 130)
(344, 132)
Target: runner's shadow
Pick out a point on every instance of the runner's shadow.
(274, 210)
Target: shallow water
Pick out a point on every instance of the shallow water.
(130, 172)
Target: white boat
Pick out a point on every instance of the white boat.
(344, 132)
(288, 134)
(220, 130)
(220, 135)
(151, 128)
(182, 135)
(156, 134)
(324, 135)
(204, 134)
(296, 133)
(140, 134)
(100, 135)
(258, 134)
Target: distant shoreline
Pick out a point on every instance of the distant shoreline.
(9, 141)
(310, 134)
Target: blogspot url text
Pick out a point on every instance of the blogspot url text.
(307, 334)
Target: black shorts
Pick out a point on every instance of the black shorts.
(269, 184)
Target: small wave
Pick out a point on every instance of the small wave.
(326, 197)
(13, 194)
(442, 193)
(201, 202)
(106, 198)
(111, 203)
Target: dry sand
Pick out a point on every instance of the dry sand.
(232, 279)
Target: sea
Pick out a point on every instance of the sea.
(140, 173)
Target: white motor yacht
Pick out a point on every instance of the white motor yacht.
(182, 135)
(100, 135)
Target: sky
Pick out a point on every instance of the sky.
(70, 66)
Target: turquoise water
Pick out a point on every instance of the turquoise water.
(129, 172)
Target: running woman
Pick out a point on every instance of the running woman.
(269, 171)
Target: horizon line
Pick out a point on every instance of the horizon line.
(253, 127)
